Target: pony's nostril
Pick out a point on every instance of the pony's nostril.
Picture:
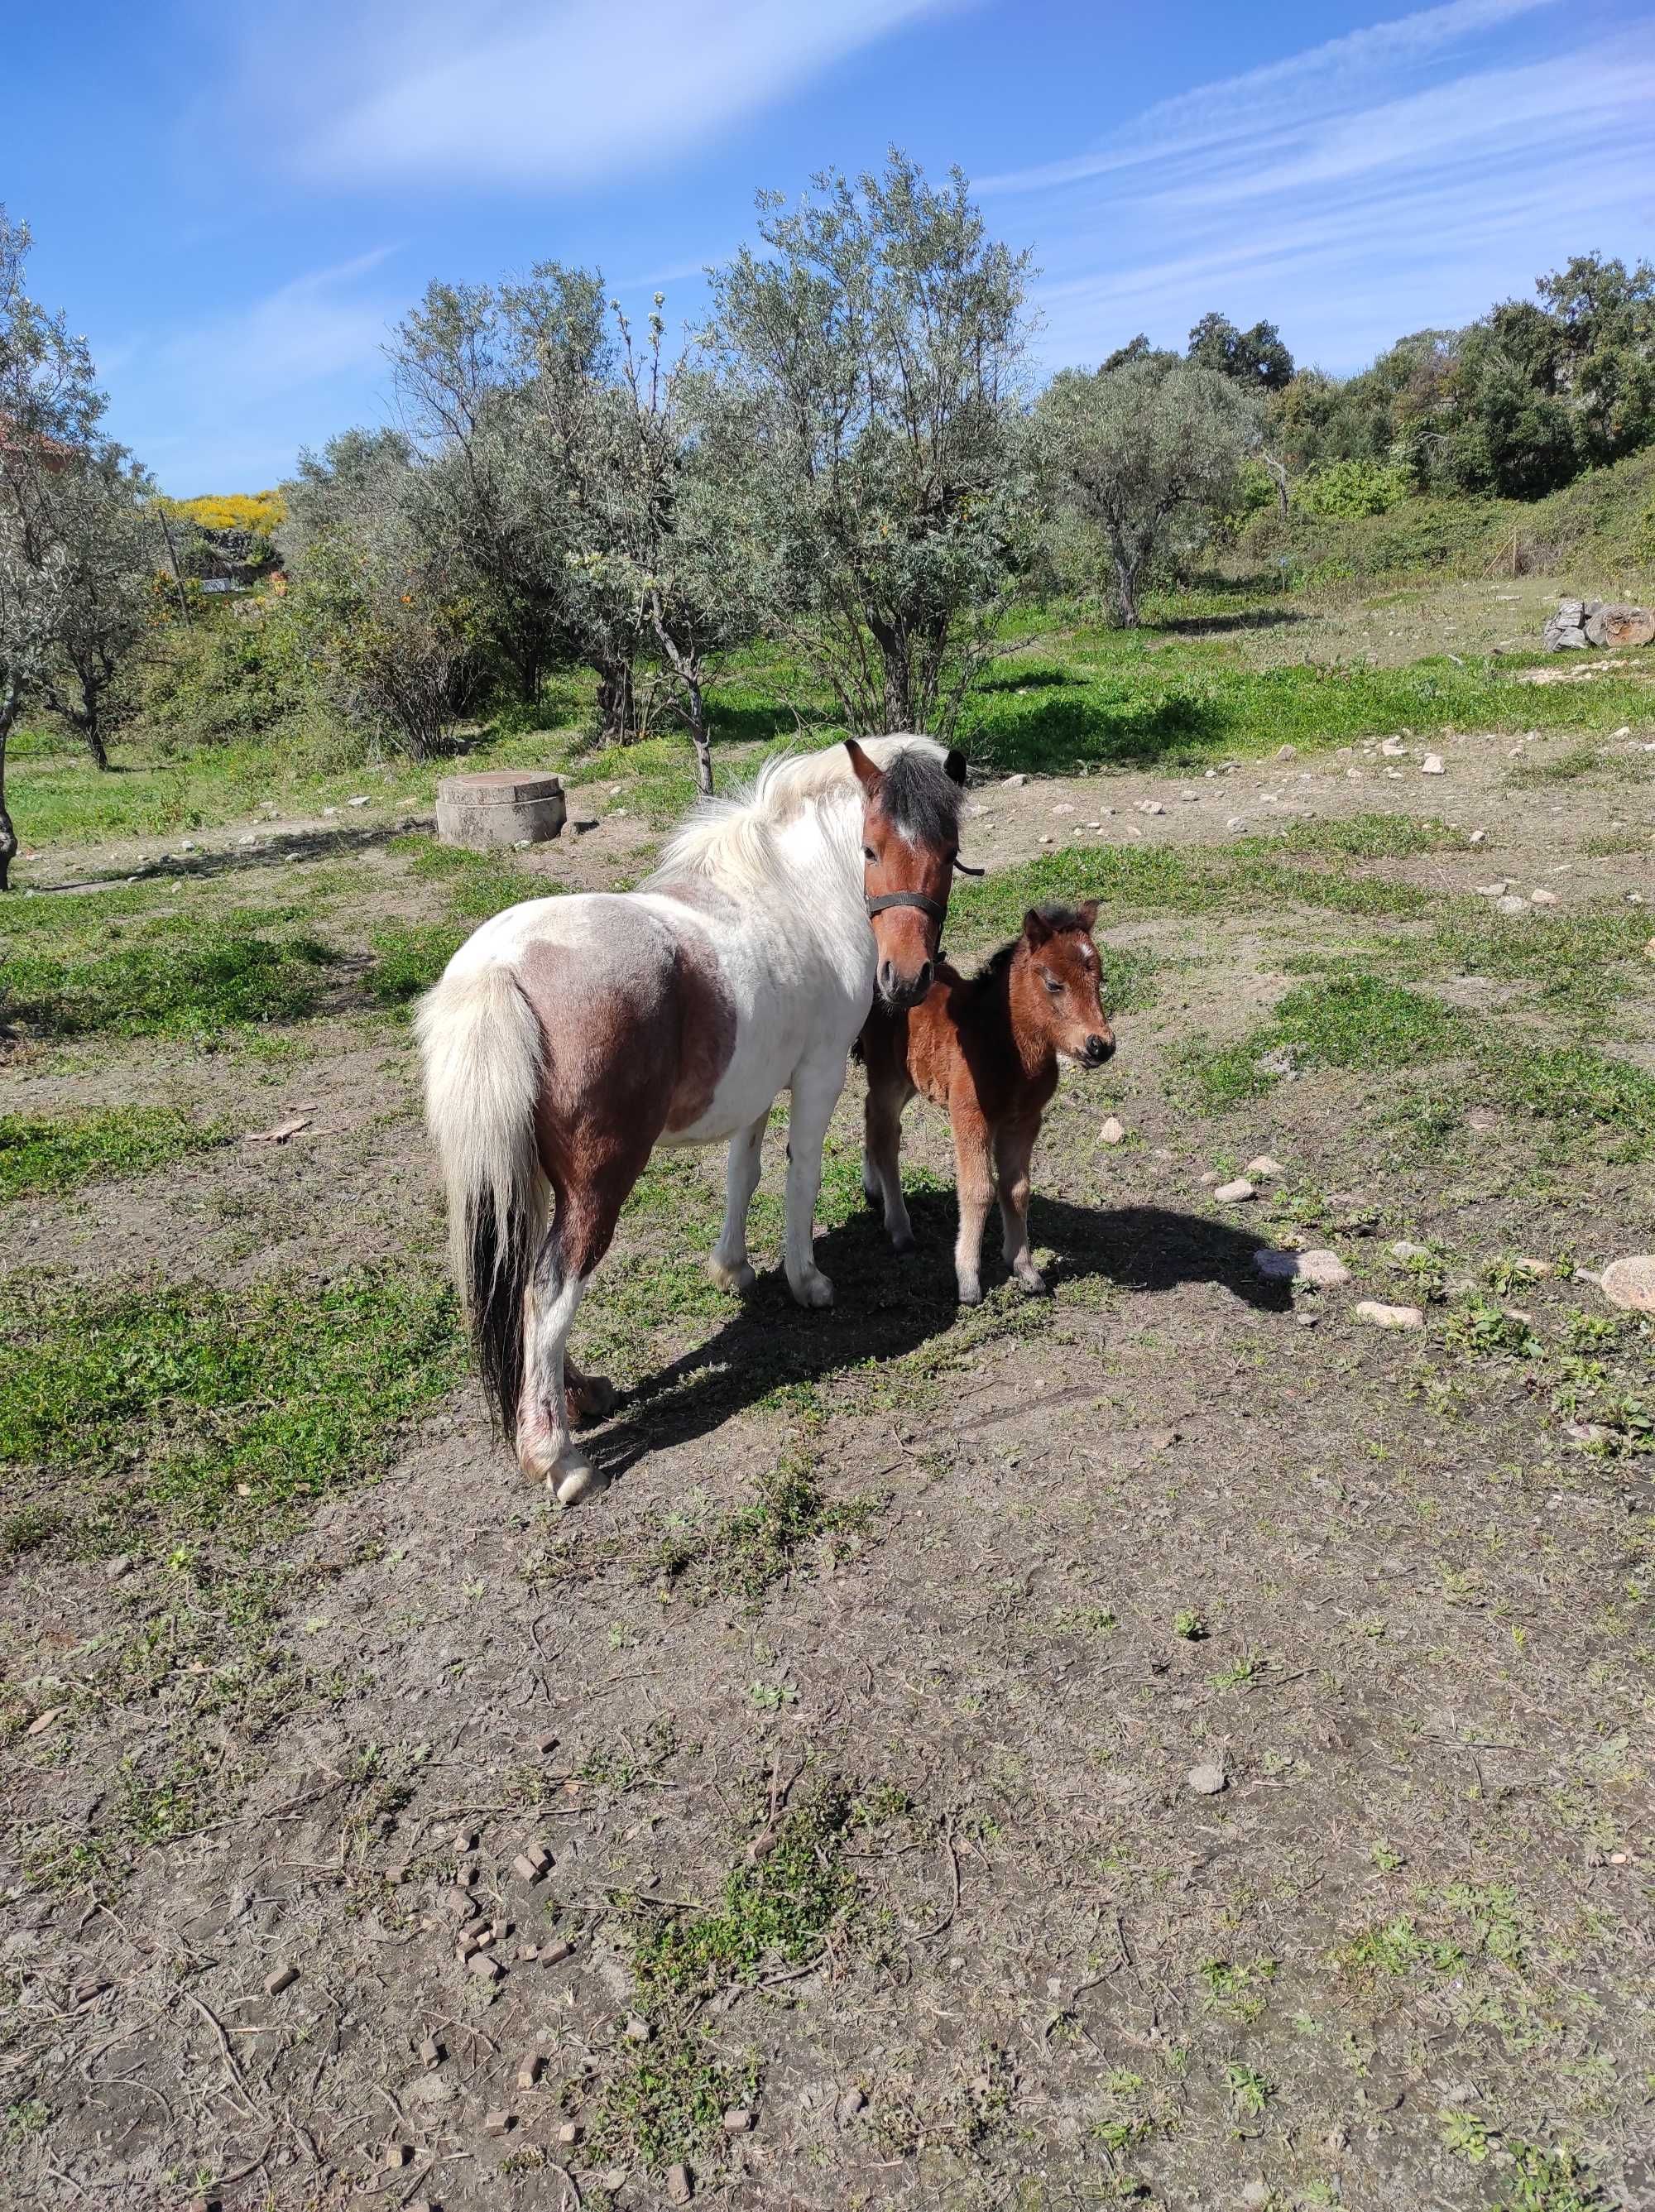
(923, 981)
(887, 977)
(1099, 1048)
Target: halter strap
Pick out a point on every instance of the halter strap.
(934, 908)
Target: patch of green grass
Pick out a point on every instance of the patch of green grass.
(42, 1153)
(409, 958)
(748, 1552)
(1249, 2090)
(1397, 1948)
(1548, 2181)
(667, 2103)
(1238, 1990)
(1368, 837)
(783, 1899)
(180, 975)
(1577, 962)
(1559, 767)
(475, 885)
(1581, 1094)
(1347, 1021)
(189, 1407)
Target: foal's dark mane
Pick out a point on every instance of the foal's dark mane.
(919, 799)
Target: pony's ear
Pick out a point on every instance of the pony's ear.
(868, 774)
(954, 766)
(1035, 927)
(1088, 913)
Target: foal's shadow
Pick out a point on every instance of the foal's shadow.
(886, 1306)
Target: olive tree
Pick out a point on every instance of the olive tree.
(1137, 451)
(654, 557)
(49, 413)
(98, 511)
(875, 347)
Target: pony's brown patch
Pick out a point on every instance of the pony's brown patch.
(706, 1033)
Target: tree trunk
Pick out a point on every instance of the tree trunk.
(8, 834)
(94, 743)
(1126, 593)
(617, 708)
(699, 738)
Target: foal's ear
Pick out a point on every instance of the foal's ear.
(868, 774)
(954, 766)
(1087, 911)
(1035, 927)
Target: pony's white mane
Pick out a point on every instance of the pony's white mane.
(732, 842)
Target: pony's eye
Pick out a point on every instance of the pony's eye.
(869, 853)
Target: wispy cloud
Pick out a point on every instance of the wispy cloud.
(221, 396)
(1444, 158)
(569, 94)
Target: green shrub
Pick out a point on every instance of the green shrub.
(1348, 489)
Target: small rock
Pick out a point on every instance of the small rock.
(42, 1721)
(1236, 821)
(737, 2121)
(527, 1953)
(532, 1862)
(680, 2184)
(431, 2054)
(1235, 1193)
(498, 2123)
(1325, 1271)
(636, 2030)
(1286, 752)
(485, 1968)
(355, 802)
(1113, 1131)
(850, 2103)
(569, 2132)
(1151, 807)
(1211, 1181)
(1494, 889)
(1433, 765)
(1402, 1250)
(465, 1839)
(1263, 1169)
(1208, 1780)
(1476, 837)
(1015, 783)
(114, 1569)
(553, 1955)
(1630, 1283)
(282, 1978)
(396, 2156)
(1393, 748)
(1384, 1316)
(1543, 898)
(529, 2072)
(542, 1744)
(613, 2180)
(1046, 841)
(1512, 904)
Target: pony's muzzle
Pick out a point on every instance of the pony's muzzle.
(898, 991)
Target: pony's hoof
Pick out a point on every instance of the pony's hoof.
(905, 1242)
(813, 1289)
(971, 1294)
(592, 1399)
(738, 1281)
(573, 1479)
(1034, 1283)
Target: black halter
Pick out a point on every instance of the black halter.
(937, 912)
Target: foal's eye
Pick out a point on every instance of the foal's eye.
(869, 853)
(1054, 986)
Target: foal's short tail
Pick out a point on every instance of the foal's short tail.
(481, 1046)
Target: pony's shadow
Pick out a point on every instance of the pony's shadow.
(886, 1306)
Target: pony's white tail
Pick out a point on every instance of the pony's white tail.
(481, 1046)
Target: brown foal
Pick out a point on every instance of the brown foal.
(986, 1047)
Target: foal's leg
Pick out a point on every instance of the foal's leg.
(729, 1266)
(974, 1185)
(881, 1153)
(816, 1087)
(590, 1396)
(1014, 1149)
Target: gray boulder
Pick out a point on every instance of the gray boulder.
(1619, 625)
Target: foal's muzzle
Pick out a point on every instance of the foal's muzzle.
(1098, 1049)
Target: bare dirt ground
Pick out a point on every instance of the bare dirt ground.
(1174, 1742)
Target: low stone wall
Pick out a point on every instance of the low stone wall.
(1580, 623)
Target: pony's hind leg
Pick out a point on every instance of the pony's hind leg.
(569, 1254)
(729, 1266)
(881, 1158)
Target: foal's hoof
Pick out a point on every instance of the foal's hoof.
(971, 1294)
(738, 1281)
(573, 1479)
(813, 1289)
(904, 1242)
(591, 1398)
(1033, 1283)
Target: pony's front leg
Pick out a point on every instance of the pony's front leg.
(816, 1088)
(728, 1265)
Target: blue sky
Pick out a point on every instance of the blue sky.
(235, 201)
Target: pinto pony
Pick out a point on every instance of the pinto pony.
(568, 1036)
(986, 1047)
